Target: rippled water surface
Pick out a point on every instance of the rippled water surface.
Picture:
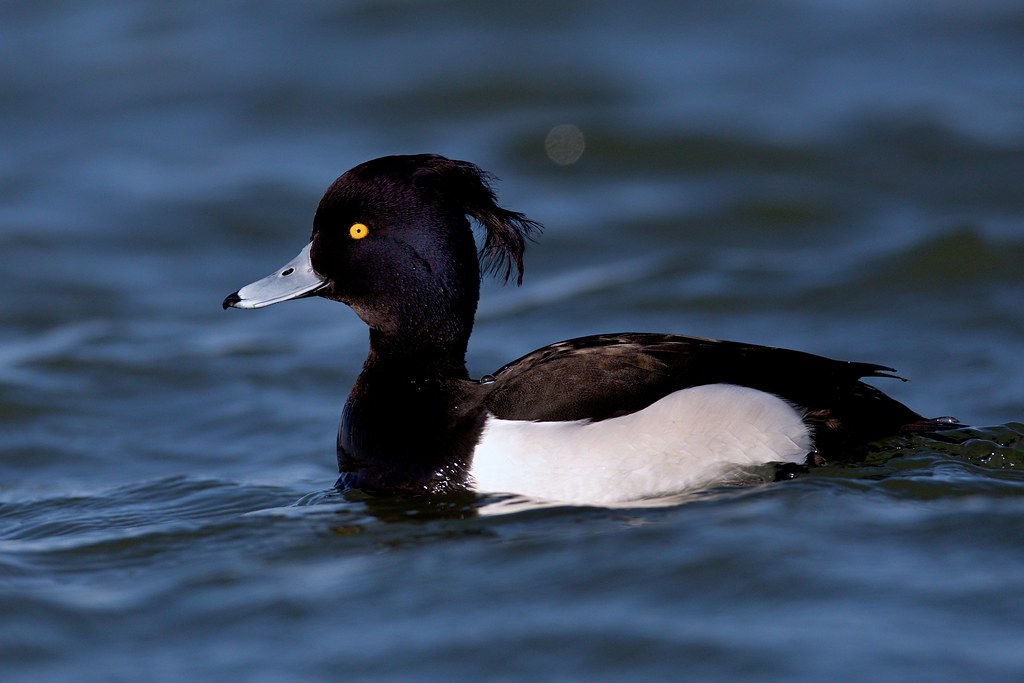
(845, 179)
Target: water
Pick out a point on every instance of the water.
(845, 180)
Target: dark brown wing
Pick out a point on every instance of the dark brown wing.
(608, 375)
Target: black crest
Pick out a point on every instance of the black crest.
(505, 232)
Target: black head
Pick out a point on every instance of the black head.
(392, 240)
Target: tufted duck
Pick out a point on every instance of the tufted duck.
(602, 419)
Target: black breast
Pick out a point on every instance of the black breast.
(408, 434)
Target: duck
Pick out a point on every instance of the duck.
(602, 419)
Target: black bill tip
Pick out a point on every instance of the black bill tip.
(231, 300)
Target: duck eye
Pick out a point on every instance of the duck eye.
(358, 231)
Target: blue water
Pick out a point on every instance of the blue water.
(844, 179)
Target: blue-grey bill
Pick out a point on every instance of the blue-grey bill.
(293, 280)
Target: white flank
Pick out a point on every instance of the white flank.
(689, 439)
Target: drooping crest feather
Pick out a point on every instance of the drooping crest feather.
(505, 232)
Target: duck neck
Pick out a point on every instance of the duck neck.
(407, 424)
(425, 329)
(420, 353)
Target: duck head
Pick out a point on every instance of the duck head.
(391, 240)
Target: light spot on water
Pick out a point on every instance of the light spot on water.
(564, 144)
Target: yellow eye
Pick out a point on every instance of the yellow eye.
(358, 231)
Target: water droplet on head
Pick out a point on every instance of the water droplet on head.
(487, 379)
